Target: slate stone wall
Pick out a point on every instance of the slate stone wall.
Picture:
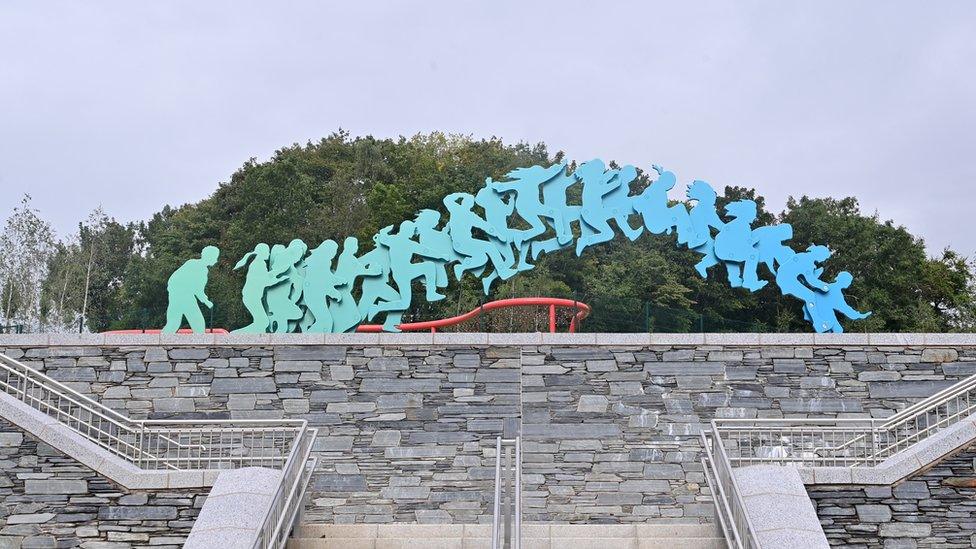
(936, 508)
(48, 500)
(407, 431)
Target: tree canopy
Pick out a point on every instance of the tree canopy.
(112, 275)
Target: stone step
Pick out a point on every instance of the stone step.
(485, 543)
(647, 531)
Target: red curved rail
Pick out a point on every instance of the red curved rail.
(551, 302)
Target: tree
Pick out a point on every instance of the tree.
(25, 247)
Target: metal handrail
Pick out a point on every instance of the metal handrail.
(512, 537)
(177, 444)
(818, 442)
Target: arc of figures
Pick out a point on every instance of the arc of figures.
(291, 288)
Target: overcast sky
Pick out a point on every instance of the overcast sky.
(133, 105)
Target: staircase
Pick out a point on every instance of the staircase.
(757, 468)
(534, 536)
(259, 467)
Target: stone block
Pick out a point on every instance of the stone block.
(341, 372)
(873, 513)
(916, 389)
(383, 438)
(669, 369)
(375, 385)
(905, 530)
(596, 404)
(228, 386)
(55, 486)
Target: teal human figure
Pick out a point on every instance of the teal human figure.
(376, 288)
(703, 217)
(187, 289)
(734, 246)
(320, 285)
(282, 298)
(597, 210)
(273, 293)
(559, 212)
(259, 277)
(349, 268)
(799, 273)
(475, 252)
(430, 236)
(653, 205)
(497, 211)
(769, 242)
(823, 316)
(526, 182)
(404, 271)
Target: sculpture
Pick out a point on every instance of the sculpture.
(290, 289)
(187, 289)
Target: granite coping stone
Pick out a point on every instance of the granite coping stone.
(480, 338)
(236, 505)
(776, 502)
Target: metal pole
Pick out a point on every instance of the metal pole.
(518, 493)
(552, 319)
(498, 493)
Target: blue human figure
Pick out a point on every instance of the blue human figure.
(259, 277)
(475, 251)
(734, 246)
(799, 273)
(435, 239)
(404, 271)
(282, 298)
(375, 287)
(497, 211)
(769, 242)
(320, 285)
(526, 182)
(703, 217)
(560, 214)
(620, 205)
(349, 268)
(658, 216)
(823, 316)
(603, 192)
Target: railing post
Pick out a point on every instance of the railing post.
(498, 493)
(552, 319)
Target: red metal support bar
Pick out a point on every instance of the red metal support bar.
(582, 311)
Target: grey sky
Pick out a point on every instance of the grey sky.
(133, 105)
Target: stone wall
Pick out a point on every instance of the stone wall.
(407, 427)
(936, 508)
(48, 500)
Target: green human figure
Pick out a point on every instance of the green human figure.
(376, 288)
(259, 277)
(282, 298)
(430, 236)
(344, 310)
(320, 284)
(404, 271)
(186, 288)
